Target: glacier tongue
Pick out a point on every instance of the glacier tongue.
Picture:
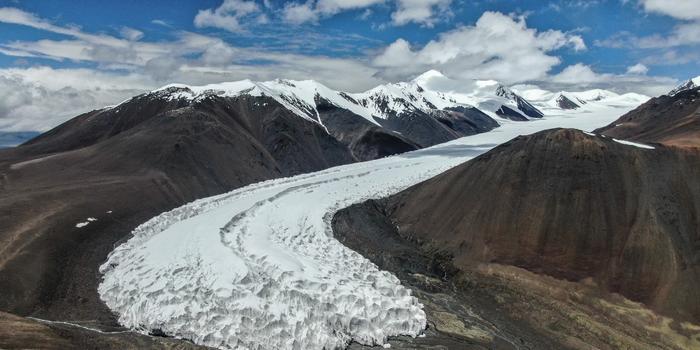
(258, 267)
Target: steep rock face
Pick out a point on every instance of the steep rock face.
(669, 119)
(523, 105)
(509, 113)
(689, 84)
(121, 166)
(572, 206)
(565, 103)
(365, 140)
(465, 120)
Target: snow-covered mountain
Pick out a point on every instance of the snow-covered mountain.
(688, 85)
(425, 93)
(588, 100)
(425, 111)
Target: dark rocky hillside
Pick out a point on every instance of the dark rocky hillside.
(668, 119)
(584, 217)
(122, 166)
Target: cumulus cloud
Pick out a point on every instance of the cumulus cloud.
(40, 98)
(681, 9)
(229, 14)
(637, 69)
(424, 12)
(297, 13)
(497, 47)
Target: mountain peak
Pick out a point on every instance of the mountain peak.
(431, 74)
(691, 83)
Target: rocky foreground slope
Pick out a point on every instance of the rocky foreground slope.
(68, 195)
(568, 239)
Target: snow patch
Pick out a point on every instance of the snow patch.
(635, 144)
(85, 223)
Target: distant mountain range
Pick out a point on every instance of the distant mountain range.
(427, 110)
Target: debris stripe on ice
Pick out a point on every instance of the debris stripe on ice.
(258, 267)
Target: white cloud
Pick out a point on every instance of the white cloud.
(228, 15)
(337, 6)
(672, 57)
(40, 98)
(424, 12)
(580, 76)
(681, 9)
(296, 13)
(685, 33)
(218, 54)
(131, 33)
(637, 69)
(496, 47)
(419, 11)
(161, 22)
(577, 74)
(313, 10)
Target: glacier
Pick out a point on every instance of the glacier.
(259, 268)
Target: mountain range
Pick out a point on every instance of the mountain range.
(71, 194)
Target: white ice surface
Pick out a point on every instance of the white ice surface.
(258, 268)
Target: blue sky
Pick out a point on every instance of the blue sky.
(76, 55)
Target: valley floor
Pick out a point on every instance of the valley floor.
(259, 267)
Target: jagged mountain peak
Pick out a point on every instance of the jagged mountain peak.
(504, 91)
(431, 74)
(564, 102)
(428, 92)
(687, 85)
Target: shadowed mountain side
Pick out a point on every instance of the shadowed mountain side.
(671, 120)
(121, 168)
(365, 140)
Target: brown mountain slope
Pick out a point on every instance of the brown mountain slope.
(121, 167)
(568, 207)
(671, 120)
